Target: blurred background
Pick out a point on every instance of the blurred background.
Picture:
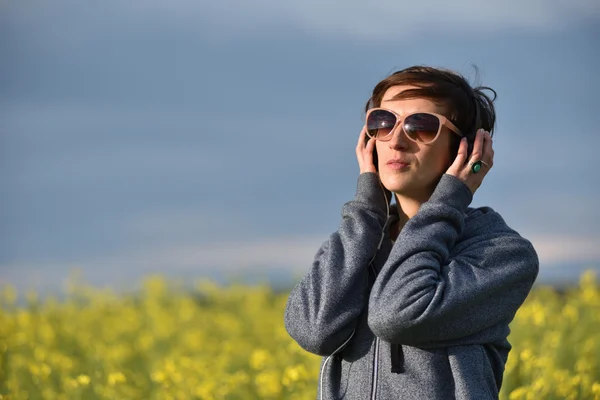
(216, 139)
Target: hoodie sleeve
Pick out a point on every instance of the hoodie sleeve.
(322, 310)
(423, 295)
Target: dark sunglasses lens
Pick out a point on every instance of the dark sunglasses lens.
(380, 123)
(422, 127)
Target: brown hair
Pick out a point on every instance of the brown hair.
(467, 107)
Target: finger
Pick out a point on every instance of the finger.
(367, 153)
(488, 151)
(370, 145)
(360, 145)
(478, 146)
(365, 157)
(362, 138)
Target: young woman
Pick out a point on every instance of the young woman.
(413, 300)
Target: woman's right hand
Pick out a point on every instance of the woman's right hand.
(364, 152)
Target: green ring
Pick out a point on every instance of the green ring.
(476, 167)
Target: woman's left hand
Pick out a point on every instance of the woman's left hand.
(482, 151)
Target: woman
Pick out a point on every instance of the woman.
(413, 300)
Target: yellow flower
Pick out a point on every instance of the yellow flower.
(294, 374)
(259, 359)
(526, 355)
(9, 294)
(71, 383)
(570, 312)
(158, 376)
(83, 380)
(268, 384)
(205, 390)
(116, 377)
(518, 393)
(222, 342)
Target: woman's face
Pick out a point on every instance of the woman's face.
(425, 163)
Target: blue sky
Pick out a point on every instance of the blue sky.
(190, 137)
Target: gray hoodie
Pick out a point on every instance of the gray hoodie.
(428, 317)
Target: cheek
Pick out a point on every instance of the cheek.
(444, 160)
(437, 160)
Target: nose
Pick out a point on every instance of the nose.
(399, 141)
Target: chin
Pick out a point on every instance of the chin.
(396, 184)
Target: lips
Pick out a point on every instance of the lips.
(398, 162)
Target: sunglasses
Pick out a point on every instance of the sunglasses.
(420, 127)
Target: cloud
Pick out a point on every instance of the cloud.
(560, 249)
(292, 252)
(389, 19)
(289, 255)
(297, 252)
(379, 18)
(224, 258)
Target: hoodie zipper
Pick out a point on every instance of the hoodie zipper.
(376, 356)
(375, 370)
(375, 359)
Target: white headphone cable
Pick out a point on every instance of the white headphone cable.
(387, 203)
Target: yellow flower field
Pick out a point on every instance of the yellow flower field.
(229, 343)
